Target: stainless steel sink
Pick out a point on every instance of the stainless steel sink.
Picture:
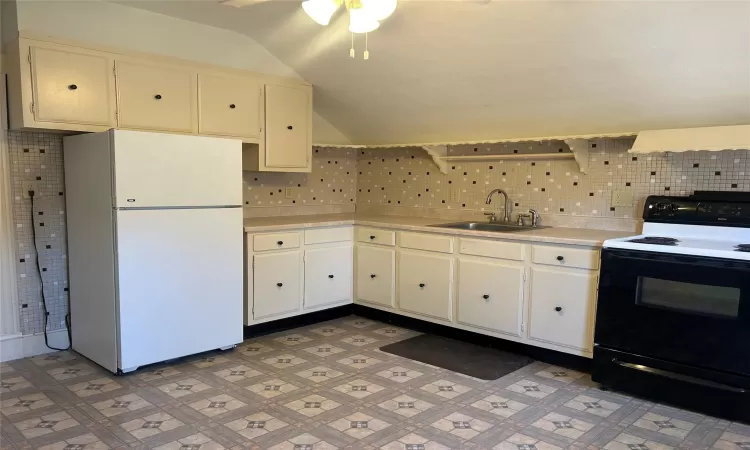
(486, 226)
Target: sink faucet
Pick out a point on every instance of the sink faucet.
(506, 213)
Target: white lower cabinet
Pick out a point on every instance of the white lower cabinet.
(490, 294)
(562, 306)
(375, 274)
(277, 287)
(425, 283)
(328, 275)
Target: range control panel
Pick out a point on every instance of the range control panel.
(697, 210)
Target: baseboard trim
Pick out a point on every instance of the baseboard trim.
(17, 346)
(297, 321)
(540, 354)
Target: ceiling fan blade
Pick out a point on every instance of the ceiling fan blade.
(241, 3)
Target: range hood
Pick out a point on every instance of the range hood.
(714, 139)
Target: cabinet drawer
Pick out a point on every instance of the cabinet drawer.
(328, 276)
(428, 242)
(562, 307)
(565, 256)
(490, 294)
(492, 249)
(325, 235)
(276, 241)
(425, 284)
(375, 236)
(375, 275)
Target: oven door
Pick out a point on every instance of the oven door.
(684, 309)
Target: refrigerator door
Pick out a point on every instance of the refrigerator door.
(180, 282)
(169, 170)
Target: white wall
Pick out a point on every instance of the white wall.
(129, 28)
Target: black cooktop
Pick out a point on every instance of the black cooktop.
(655, 240)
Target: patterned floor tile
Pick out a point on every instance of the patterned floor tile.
(195, 442)
(406, 406)
(210, 361)
(319, 374)
(151, 425)
(461, 425)
(50, 423)
(445, 388)
(53, 358)
(359, 323)
(359, 340)
(256, 425)
(629, 442)
(253, 348)
(522, 442)
(238, 373)
(559, 374)
(591, 405)
(399, 374)
(84, 442)
(359, 361)
(665, 425)
(328, 331)
(312, 405)
(184, 387)
(732, 441)
(324, 350)
(414, 441)
(563, 425)
(304, 442)
(500, 406)
(292, 339)
(98, 386)
(359, 388)
(15, 383)
(359, 425)
(216, 405)
(284, 361)
(66, 373)
(122, 404)
(24, 403)
(531, 388)
(272, 388)
(160, 374)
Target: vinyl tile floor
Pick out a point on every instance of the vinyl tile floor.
(327, 386)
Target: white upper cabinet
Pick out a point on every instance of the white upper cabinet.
(288, 141)
(229, 105)
(71, 86)
(155, 97)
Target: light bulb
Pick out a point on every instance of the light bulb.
(320, 11)
(379, 9)
(361, 22)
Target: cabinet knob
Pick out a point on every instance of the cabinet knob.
(279, 284)
(289, 127)
(72, 87)
(421, 285)
(558, 308)
(232, 106)
(373, 275)
(560, 258)
(330, 276)
(486, 297)
(372, 237)
(157, 96)
(280, 243)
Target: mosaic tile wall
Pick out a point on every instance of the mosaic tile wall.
(330, 188)
(408, 179)
(37, 157)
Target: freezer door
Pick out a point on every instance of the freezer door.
(179, 282)
(170, 170)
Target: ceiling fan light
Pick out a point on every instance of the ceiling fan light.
(360, 21)
(320, 11)
(379, 9)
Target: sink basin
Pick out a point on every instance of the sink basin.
(486, 226)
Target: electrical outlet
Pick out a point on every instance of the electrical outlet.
(622, 198)
(30, 186)
(289, 192)
(455, 194)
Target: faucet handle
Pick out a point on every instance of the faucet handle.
(493, 217)
(534, 217)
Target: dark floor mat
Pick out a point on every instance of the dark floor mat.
(462, 357)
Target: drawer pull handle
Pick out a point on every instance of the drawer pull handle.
(279, 284)
(421, 285)
(330, 276)
(486, 297)
(72, 87)
(372, 237)
(157, 96)
(290, 127)
(560, 258)
(232, 106)
(558, 308)
(373, 275)
(280, 243)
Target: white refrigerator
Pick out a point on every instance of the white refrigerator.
(155, 245)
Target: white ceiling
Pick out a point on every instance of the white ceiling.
(487, 69)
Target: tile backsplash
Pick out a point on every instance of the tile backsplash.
(406, 181)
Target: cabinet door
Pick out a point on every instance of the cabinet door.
(562, 306)
(287, 127)
(328, 276)
(152, 97)
(425, 283)
(228, 105)
(490, 294)
(375, 275)
(71, 87)
(277, 284)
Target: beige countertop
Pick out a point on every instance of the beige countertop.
(574, 236)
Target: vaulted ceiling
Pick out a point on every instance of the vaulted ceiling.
(464, 70)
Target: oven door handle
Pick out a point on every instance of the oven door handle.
(679, 376)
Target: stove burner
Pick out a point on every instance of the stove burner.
(656, 240)
(742, 248)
